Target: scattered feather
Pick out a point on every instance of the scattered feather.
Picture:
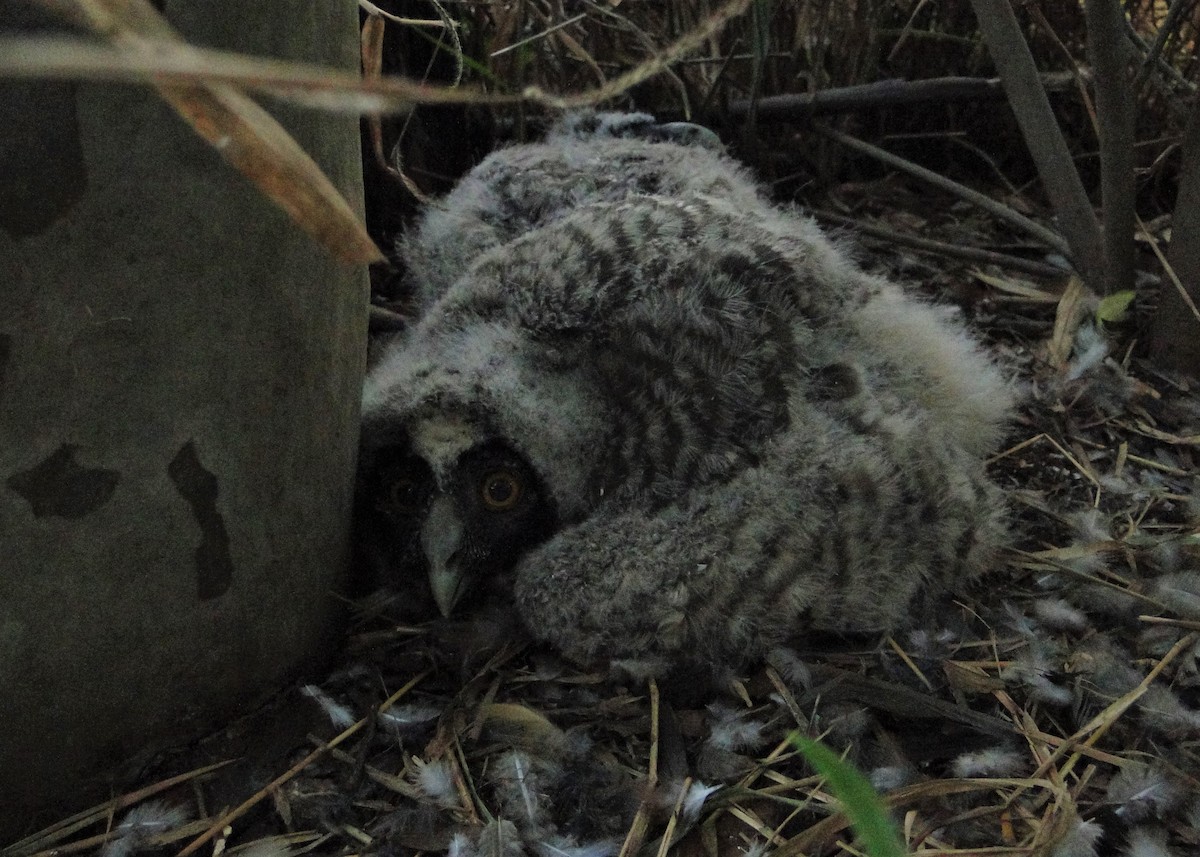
(461, 846)
(418, 827)
(846, 723)
(1090, 349)
(1044, 690)
(140, 825)
(932, 646)
(519, 792)
(1163, 711)
(1101, 600)
(758, 849)
(890, 777)
(1057, 615)
(639, 669)
(1081, 840)
(693, 800)
(1156, 640)
(436, 782)
(1119, 485)
(1139, 792)
(566, 848)
(1108, 667)
(1192, 814)
(713, 763)
(1148, 842)
(1034, 669)
(409, 717)
(1090, 526)
(794, 672)
(1180, 592)
(991, 762)
(732, 729)
(339, 715)
(499, 839)
(1167, 556)
(1020, 623)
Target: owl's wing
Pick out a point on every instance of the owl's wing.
(520, 189)
(836, 529)
(920, 354)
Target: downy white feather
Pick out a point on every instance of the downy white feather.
(436, 782)
(1148, 842)
(519, 793)
(1057, 615)
(732, 729)
(141, 824)
(339, 715)
(990, 762)
(499, 838)
(1139, 792)
(1080, 841)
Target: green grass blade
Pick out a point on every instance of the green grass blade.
(861, 803)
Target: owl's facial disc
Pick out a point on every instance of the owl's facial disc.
(461, 521)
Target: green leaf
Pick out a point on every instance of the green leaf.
(1113, 307)
(861, 803)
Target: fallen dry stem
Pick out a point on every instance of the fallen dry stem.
(265, 792)
(47, 839)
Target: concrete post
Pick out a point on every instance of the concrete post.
(179, 381)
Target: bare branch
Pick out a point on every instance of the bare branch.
(1047, 236)
(1114, 120)
(884, 93)
(1175, 335)
(1042, 135)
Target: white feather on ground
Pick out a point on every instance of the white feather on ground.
(436, 782)
(1148, 842)
(520, 794)
(339, 715)
(140, 825)
(733, 729)
(1180, 592)
(1080, 841)
(1058, 615)
(1139, 792)
(990, 762)
(406, 718)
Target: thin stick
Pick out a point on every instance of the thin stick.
(941, 248)
(265, 792)
(1047, 236)
(46, 838)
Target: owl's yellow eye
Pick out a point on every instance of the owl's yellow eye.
(405, 495)
(500, 489)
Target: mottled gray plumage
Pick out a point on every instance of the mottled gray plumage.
(721, 432)
(584, 160)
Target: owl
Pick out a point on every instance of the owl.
(668, 420)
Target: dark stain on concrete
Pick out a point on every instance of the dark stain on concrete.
(214, 565)
(5, 354)
(60, 487)
(44, 171)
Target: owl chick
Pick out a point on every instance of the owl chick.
(671, 418)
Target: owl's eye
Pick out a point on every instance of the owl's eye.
(406, 495)
(500, 489)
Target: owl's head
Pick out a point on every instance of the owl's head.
(469, 457)
(451, 508)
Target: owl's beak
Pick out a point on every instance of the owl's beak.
(441, 538)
